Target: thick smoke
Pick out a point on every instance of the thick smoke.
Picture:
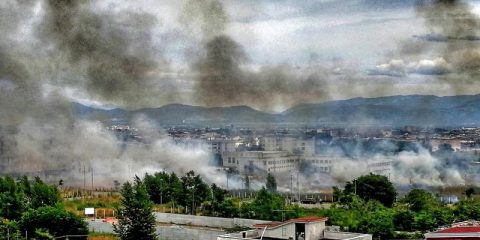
(50, 45)
(113, 50)
(408, 168)
(89, 148)
(449, 50)
(223, 77)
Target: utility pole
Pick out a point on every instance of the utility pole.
(84, 180)
(92, 179)
(283, 212)
(291, 183)
(298, 188)
(355, 186)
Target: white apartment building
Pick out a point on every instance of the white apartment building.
(220, 146)
(320, 163)
(381, 166)
(266, 161)
(290, 144)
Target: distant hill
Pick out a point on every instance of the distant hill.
(172, 114)
(416, 110)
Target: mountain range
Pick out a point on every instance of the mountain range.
(411, 110)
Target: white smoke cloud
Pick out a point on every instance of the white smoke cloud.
(423, 169)
(407, 168)
(90, 146)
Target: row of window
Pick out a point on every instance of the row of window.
(279, 162)
(232, 160)
(321, 161)
(382, 164)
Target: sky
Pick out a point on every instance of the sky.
(277, 53)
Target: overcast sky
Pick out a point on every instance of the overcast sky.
(329, 49)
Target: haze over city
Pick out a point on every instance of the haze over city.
(242, 99)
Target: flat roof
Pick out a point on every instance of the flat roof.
(295, 220)
(466, 229)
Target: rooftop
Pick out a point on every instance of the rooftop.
(468, 229)
(295, 220)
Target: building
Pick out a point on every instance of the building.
(381, 166)
(297, 145)
(219, 146)
(460, 232)
(306, 228)
(260, 161)
(319, 163)
(437, 143)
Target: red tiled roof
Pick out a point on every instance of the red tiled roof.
(295, 220)
(460, 230)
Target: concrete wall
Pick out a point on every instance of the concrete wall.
(251, 234)
(346, 235)
(180, 233)
(97, 226)
(166, 232)
(314, 231)
(282, 232)
(205, 221)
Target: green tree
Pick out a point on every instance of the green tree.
(373, 187)
(403, 220)
(420, 200)
(54, 221)
(228, 209)
(195, 191)
(466, 210)
(12, 199)
(271, 184)
(175, 188)
(247, 182)
(378, 221)
(264, 206)
(135, 218)
(470, 192)
(424, 221)
(43, 194)
(157, 187)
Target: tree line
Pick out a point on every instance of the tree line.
(33, 209)
(369, 204)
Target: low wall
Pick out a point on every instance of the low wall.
(179, 233)
(347, 236)
(215, 222)
(252, 234)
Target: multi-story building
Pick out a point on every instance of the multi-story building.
(263, 161)
(319, 163)
(381, 166)
(298, 145)
(219, 146)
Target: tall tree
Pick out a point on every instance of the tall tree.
(373, 187)
(470, 192)
(55, 221)
(420, 200)
(135, 219)
(271, 184)
(195, 191)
